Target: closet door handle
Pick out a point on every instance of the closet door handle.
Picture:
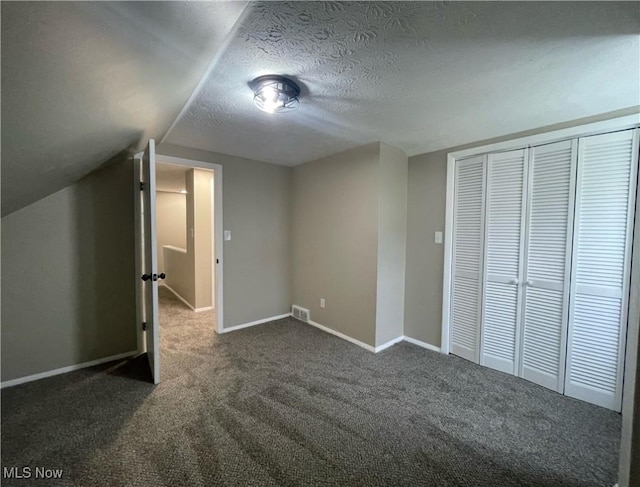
(528, 283)
(514, 281)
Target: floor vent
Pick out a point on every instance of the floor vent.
(300, 313)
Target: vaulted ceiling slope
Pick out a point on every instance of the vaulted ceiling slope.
(421, 76)
(84, 81)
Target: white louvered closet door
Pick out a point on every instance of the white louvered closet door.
(547, 263)
(468, 236)
(505, 211)
(606, 184)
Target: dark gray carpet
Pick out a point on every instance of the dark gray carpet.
(286, 404)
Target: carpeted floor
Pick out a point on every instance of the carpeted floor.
(285, 404)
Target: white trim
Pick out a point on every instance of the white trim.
(343, 336)
(138, 271)
(200, 310)
(254, 323)
(612, 125)
(426, 345)
(379, 348)
(218, 224)
(178, 296)
(64, 370)
(448, 253)
(631, 368)
(390, 343)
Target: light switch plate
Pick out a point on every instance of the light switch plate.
(227, 234)
(322, 302)
(438, 238)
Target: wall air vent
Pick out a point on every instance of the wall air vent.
(300, 313)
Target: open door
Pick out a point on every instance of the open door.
(146, 257)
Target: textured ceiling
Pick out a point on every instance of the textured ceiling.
(421, 76)
(84, 81)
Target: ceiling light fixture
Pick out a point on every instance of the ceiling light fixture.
(275, 94)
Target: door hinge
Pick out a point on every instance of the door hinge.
(141, 186)
(144, 326)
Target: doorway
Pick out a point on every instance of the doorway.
(185, 223)
(188, 222)
(180, 294)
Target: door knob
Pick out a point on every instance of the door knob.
(528, 283)
(514, 281)
(153, 277)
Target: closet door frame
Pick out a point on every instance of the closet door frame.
(621, 123)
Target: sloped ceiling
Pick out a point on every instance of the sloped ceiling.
(85, 81)
(421, 76)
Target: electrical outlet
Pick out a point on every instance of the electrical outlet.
(322, 302)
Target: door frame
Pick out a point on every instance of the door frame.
(216, 229)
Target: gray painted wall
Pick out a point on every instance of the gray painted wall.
(425, 259)
(68, 276)
(257, 208)
(202, 244)
(171, 223)
(392, 243)
(349, 241)
(335, 240)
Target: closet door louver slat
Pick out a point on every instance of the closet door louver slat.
(547, 263)
(468, 236)
(607, 172)
(506, 185)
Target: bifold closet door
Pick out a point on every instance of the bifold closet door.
(605, 197)
(547, 263)
(505, 213)
(468, 235)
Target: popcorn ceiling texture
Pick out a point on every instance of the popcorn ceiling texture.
(421, 76)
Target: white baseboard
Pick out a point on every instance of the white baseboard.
(343, 336)
(254, 323)
(200, 310)
(64, 370)
(177, 295)
(384, 346)
(426, 345)
(379, 348)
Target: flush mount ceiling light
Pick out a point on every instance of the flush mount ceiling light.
(275, 94)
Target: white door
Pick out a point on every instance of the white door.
(468, 238)
(147, 297)
(548, 262)
(505, 216)
(605, 197)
